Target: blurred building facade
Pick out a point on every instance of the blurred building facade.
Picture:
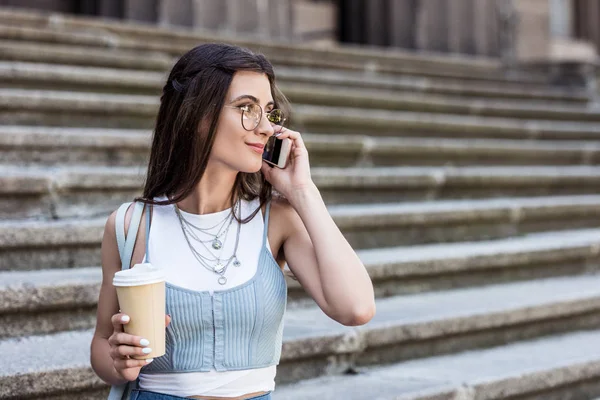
(527, 30)
(297, 20)
(482, 27)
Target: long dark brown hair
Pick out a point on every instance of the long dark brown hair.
(187, 120)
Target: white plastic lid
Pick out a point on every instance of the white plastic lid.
(139, 274)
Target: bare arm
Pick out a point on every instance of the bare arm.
(316, 251)
(110, 345)
(324, 262)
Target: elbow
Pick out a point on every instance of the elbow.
(360, 316)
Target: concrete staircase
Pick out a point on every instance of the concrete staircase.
(469, 192)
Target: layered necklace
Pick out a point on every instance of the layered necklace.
(214, 263)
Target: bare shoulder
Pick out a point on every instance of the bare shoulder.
(111, 236)
(110, 251)
(111, 263)
(284, 216)
(110, 248)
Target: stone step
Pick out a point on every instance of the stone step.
(77, 109)
(58, 108)
(293, 81)
(46, 301)
(74, 242)
(86, 191)
(44, 76)
(84, 56)
(77, 78)
(51, 146)
(371, 99)
(62, 29)
(552, 368)
(430, 324)
(425, 124)
(47, 146)
(377, 225)
(428, 85)
(409, 327)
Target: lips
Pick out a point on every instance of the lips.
(257, 147)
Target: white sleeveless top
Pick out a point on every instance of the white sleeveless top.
(168, 249)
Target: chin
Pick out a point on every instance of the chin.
(251, 167)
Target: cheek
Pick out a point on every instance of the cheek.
(229, 143)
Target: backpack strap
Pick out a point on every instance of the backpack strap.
(126, 244)
(123, 391)
(148, 222)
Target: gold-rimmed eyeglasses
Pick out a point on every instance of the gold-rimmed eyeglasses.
(252, 114)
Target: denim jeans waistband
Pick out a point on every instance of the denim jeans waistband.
(141, 394)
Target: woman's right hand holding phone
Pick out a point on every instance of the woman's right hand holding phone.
(123, 347)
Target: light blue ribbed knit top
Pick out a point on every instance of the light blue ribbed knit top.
(232, 329)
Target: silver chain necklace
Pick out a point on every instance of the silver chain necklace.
(217, 244)
(219, 268)
(193, 236)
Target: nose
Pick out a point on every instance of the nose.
(265, 127)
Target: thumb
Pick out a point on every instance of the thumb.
(167, 320)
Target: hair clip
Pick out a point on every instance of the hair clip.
(177, 86)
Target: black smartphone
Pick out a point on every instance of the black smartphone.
(277, 151)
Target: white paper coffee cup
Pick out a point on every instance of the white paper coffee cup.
(141, 294)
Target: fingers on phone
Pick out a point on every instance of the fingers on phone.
(294, 136)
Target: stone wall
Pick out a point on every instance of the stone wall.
(510, 29)
(297, 20)
(457, 26)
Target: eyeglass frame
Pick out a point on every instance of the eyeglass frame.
(262, 112)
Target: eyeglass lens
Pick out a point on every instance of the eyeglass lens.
(253, 114)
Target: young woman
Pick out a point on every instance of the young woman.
(223, 224)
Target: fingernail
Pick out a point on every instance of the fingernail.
(149, 360)
(277, 134)
(125, 318)
(146, 350)
(145, 342)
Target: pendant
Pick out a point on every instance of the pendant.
(216, 244)
(222, 280)
(219, 267)
(236, 263)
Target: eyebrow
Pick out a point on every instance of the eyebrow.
(254, 99)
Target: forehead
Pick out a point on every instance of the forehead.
(251, 83)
